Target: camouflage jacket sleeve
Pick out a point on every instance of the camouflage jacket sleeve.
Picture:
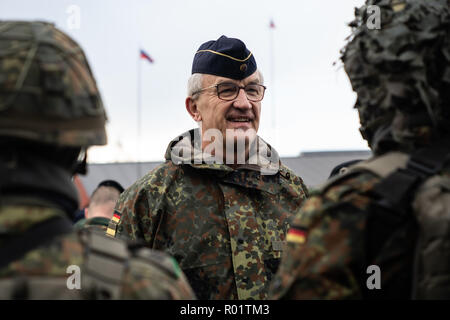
(141, 206)
(324, 254)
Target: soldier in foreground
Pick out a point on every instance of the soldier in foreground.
(50, 113)
(381, 229)
(221, 201)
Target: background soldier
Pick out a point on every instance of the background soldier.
(101, 205)
(223, 221)
(50, 113)
(381, 229)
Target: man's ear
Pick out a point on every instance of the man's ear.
(191, 107)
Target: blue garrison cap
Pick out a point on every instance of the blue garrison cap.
(224, 57)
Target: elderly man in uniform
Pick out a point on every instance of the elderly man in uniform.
(220, 203)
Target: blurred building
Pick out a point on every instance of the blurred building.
(313, 167)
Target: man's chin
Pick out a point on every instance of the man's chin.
(240, 132)
(240, 135)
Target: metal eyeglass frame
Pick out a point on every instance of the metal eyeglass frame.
(237, 92)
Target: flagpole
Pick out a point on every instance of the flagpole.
(272, 74)
(138, 116)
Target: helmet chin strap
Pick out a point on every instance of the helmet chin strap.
(80, 165)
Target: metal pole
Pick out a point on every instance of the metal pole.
(138, 154)
(272, 80)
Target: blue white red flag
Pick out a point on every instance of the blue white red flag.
(146, 56)
(272, 24)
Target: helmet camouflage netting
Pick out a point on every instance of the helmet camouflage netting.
(47, 90)
(401, 72)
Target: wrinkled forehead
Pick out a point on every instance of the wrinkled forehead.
(209, 80)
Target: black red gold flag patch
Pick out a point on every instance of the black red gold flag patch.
(112, 226)
(296, 235)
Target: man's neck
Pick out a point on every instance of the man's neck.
(232, 158)
(101, 211)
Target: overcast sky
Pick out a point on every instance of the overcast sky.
(311, 99)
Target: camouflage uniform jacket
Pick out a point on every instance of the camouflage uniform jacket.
(340, 232)
(42, 273)
(100, 223)
(225, 227)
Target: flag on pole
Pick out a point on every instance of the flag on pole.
(144, 55)
(272, 24)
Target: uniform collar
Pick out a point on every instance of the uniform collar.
(262, 176)
(187, 151)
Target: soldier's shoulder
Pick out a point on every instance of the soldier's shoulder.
(154, 275)
(167, 168)
(126, 270)
(162, 174)
(287, 172)
(355, 182)
(50, 259)
(352, 189)
(293, 179)
(160, 261)
(351, 192)
(141, 272)
(95, 242)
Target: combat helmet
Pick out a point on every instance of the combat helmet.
(48, 93)
(401, 72)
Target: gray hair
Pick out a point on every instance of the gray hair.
(195, 82)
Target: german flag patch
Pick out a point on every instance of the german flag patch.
(116, 217)
(113, 223)
(296, 235)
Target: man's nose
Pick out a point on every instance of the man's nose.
(241, 100)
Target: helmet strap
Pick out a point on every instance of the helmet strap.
(80, 166)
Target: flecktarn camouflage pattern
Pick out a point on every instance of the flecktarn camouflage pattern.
(343, 229)
(42, 66)
(339, 232)
(401, 75)
(132, 273)
(225, 227)
(324, 240)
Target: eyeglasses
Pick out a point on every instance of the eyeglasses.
(230, 91)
